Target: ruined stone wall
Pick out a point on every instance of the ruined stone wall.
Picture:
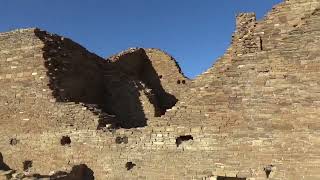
(27, 100)
(170, 74)
(259, 94)
(254, 36)
(156, 76)
(67, 94)
(244, 39)
(253, 115)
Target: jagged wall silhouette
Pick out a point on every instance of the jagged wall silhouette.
(253, 115)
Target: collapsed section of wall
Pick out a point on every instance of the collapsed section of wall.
(53, 72)
(157, 82)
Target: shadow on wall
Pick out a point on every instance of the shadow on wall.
(109, 89)
(152, 80)
(74, 74)
(140, 76)
(3, 166)
(78, 172)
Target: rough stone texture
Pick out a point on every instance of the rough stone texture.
(253, 115)
(156, 74)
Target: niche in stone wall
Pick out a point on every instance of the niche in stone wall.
(65, 140)
(181, 81)
(14, 141)
(120, 140)
(130, 165)
(181, 139)
(268, 170)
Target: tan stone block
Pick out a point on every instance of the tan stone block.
(9, 76)
(196, 129)
(170, 129)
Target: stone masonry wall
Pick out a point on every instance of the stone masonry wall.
(245, 94)
(27, 100)
(253, 115)
(244, 39)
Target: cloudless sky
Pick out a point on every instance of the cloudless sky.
(194, 32)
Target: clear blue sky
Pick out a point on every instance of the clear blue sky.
(195, 32)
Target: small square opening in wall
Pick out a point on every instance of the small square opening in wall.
(65, 140)
(130, 165)
(181, 139)
(120, 140)
(14, 141)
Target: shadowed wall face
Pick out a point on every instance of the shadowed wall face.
(142, 95)
(127, 87)
(3, 165)
(139, 66)
(74, 76)
(77, 76)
